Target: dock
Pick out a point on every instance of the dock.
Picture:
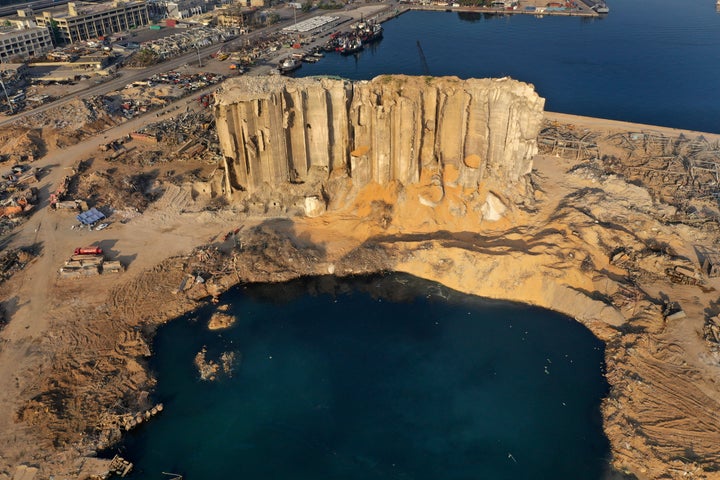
(120, 466)
(583, 8)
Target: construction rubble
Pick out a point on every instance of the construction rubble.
(89, 265)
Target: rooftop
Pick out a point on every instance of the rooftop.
(87, 8)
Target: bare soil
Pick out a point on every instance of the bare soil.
(602, 240)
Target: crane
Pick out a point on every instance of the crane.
(426, 70)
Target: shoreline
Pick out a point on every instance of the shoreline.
(590, 122)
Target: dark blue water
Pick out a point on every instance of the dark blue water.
(649, 61)
(383, 378)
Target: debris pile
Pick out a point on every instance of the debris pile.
(175, 45)
(649, 265)
(187, 81)
(711, 333)
(134, 191)
(568, 141)
(13, 260)
(71, 122)
(18, 203)
(155, 92)
(677, 170)
(20, 144)
(13, 79)
(191, 133)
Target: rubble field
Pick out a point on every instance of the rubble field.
(621, 232)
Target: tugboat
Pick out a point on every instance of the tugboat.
(288, 65)
(370, 32)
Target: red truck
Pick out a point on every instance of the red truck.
(88, 251)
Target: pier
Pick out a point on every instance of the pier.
(572, 8)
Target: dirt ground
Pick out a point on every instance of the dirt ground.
(602, 240)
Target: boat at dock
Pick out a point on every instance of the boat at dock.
(599, 7)
(350, 45)
(369, 31)
(288, 65)
(602, 9)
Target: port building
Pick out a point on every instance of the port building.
(23, 39)
(84, 21)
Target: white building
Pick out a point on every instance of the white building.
(180, 9)
(24, 39)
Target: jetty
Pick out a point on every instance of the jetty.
(120, 466)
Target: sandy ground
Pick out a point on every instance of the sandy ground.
(67, 335)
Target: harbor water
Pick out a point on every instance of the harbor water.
(376, 378)
(648, 61)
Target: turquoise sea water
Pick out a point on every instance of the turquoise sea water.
(648, 61)
(377, 378)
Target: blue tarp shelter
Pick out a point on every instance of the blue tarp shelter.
(91, 216)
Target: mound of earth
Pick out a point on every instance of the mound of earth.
(69, 123)
(118, 191)
(15, 141)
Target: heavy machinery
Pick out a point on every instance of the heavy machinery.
(59, 193)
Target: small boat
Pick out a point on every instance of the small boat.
(601, 8)
(289, 64)
(310, 59)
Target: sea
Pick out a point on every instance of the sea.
(393, 377)
(649, 61)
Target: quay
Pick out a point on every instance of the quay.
(581, 8)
